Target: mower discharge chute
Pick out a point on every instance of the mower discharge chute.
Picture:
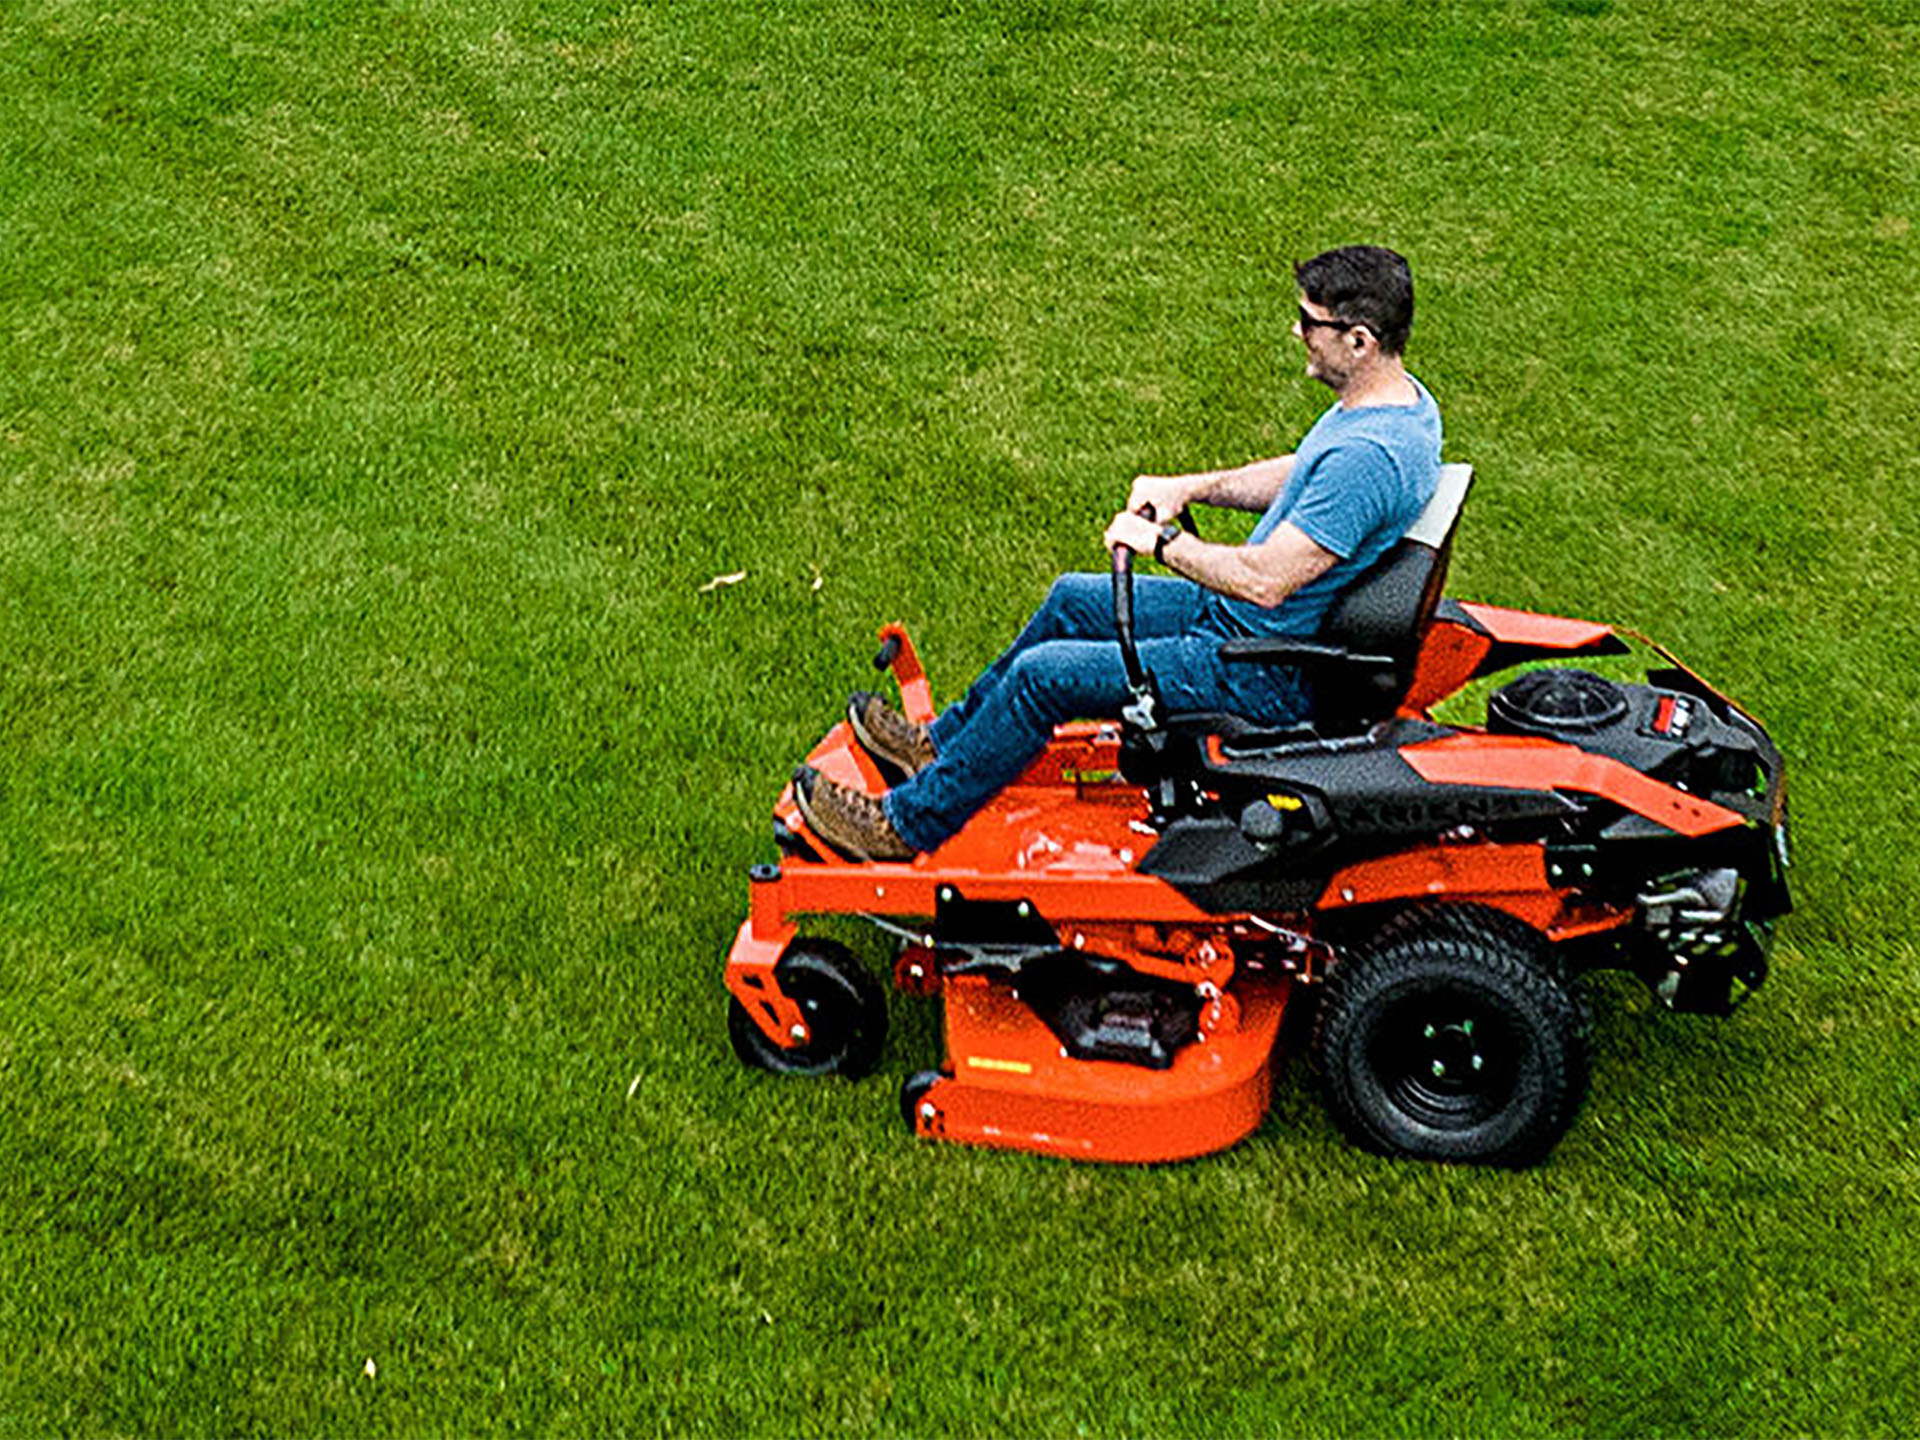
(1117, 937)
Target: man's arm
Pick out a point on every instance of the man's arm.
(1245, 487)
(1266, 573)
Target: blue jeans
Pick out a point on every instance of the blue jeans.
(1066, 665)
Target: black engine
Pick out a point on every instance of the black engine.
(1676, 735)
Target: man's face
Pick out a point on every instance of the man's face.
(1330, 352)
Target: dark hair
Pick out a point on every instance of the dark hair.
(1365, 284)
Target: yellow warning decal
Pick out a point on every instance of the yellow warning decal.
(1005, 1067)
(1285, 802)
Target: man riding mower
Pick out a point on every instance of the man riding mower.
(1117, 927)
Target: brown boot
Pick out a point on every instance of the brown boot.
(852, 823)
(887, 735)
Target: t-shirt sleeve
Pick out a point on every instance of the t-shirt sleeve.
(1346, 498)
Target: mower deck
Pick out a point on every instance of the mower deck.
(1011, 1084)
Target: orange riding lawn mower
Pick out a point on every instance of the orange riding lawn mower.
(1118, 936)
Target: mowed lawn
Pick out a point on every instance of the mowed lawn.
(382, 385)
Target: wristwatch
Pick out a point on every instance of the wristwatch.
(1167, 532)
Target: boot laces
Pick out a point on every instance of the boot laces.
(862, 808)
(894, 728)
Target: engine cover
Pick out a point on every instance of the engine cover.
(1668, 734)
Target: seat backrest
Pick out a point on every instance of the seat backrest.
(1386, 612)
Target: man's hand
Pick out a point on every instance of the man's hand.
(1247, 487)
(1136, 532)
(1168, 494)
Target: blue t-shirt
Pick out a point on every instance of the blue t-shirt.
(1360, 479)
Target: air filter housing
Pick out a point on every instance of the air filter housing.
(1556, 703)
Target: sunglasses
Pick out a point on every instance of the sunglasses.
(1313, 322)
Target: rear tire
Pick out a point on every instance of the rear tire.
(845, 1010)
(1480, 924)
(1452, 1042)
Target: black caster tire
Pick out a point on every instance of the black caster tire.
(1452, 1042)
(912, 1091)
(845, 1009)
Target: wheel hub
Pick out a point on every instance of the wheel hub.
(1452, 1054)
(1450, 1067)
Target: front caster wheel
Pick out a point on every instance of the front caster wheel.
(845, 1010)
(1451, 1043)
(913, 1090)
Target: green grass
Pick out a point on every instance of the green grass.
(381, 382)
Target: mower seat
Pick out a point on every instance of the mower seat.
(1360, 664)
